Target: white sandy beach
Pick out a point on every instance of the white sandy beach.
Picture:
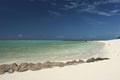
(101, 70)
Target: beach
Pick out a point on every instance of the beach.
(101, 70)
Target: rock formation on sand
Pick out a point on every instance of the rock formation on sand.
(22, 67)
(13, 67)
(10, 68)
(96, 59)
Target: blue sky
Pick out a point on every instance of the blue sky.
(59, 19)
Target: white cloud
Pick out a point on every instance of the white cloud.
(71, 6)
(115, 11)
(106, 2)
(86, 6)
(98, 12)
(92, 8)
(113, 1)
(103, 13)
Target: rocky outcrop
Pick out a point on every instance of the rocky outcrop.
(96, 59)
(4, 68)
(59, 64)
(10, 68)
(74, 62)
(81, 61)
(34, 67)
(47, 65)
(22, 67)
(13, 67)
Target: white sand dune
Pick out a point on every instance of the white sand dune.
(102, 70)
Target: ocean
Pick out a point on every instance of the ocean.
(46, 50)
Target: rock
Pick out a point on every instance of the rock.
(57, 64)
(8, 68)
(47, 64)
(81, 61)
(75, 62)
(72, 62)
(4, 68)
(22, 67)
(96, 59)
(13, 67)
(69, 63)
(34, 67)
(106, 58)
(91, 60)
(31, 66)
(60, 64)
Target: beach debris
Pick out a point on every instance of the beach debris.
(96, 59)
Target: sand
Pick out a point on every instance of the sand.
(101, 70)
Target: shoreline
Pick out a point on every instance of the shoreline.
(101, 70)
(63, 58)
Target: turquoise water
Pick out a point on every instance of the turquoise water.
(46, 50)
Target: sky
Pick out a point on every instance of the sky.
(59, 19)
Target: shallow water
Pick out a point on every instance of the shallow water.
(46, 50)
